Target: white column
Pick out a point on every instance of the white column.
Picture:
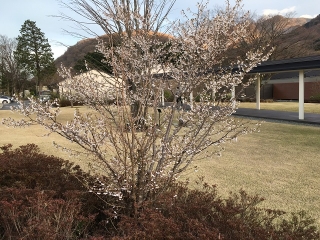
(162, 98)
(233, 96)
(191, 99)
(258, 92)
(301, 94)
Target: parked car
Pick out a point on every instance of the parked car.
(5, 99)
(44, 98)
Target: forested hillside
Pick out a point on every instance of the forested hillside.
(292, 37)
(304, 40)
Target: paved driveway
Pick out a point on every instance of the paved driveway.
(7, 106)
(309, 118)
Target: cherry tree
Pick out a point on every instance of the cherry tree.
(141, 154)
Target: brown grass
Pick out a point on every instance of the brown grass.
(281, 163)
(284, 106)
(36, 134)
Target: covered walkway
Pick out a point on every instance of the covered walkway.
(309, 118)
(287, 65)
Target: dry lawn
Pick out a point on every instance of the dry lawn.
(280, 163)
(36, 134)
(284, 106)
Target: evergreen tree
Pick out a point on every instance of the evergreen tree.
(34, 52)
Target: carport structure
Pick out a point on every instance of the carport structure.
(287, 65)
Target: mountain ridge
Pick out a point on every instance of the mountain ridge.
(303, 37)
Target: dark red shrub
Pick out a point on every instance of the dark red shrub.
(25, 174)
(28, 168)
(182, 213)
(152, 224)
(33, 214)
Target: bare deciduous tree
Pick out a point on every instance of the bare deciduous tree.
(117, 17)
(143, 154)
(12, 76)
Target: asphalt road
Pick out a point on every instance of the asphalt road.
(7, 106)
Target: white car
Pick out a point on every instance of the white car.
(44, 98)
(5, 99)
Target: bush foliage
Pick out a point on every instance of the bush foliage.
(44, 197)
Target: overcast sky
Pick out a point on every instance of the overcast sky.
(13, 13)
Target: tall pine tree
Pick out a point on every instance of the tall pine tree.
(34, 52)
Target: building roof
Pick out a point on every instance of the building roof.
(293, 64)
(295, 74)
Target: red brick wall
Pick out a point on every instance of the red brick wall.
(290, 91)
